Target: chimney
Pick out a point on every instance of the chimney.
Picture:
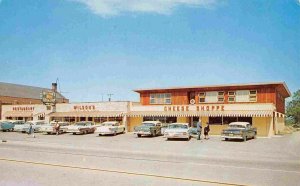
(54, 87)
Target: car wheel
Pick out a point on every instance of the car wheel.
(139, 135)
(168, 139)
(226, 139)
(74, 133)
(48, 133)
(123, 131)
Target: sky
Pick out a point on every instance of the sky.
(100, 47)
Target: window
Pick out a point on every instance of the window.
(201, 97)
(231, 96)
(242, 96)
(220, 96)
(253, 96)
(215, 120)
(211, 97)
(160, 98)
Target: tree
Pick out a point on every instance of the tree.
(293, 107)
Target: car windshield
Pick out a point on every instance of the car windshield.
(17, 123)
(80, 124)
(108, 124)
(178, 126)
(149, 124)
(237, 126)
(28, 123)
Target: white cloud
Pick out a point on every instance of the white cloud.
(114, 7)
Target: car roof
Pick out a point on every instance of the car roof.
(151, 122)
(239, 123)
(178, 124)
(110, 122)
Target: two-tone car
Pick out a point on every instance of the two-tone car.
(148, 128)
(50, 128)
(36, 125)
(6, 126)
(82, 127)
(178, 131)
(239, 130)
(110, 128)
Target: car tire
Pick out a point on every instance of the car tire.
(48, 133)
(139, 135)
(226, 139)
(168, 139)
(74, 133)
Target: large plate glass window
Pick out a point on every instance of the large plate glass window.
(211, 97)
(163, 98)
(242, 96)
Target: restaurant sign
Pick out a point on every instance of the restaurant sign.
(48, 97)
(84, 107)
(23, 108)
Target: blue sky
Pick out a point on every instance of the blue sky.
(100, 47)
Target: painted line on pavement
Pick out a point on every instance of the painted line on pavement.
(162, 161)
(119, 172)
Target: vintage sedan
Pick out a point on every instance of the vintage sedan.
(239, 130)
(6, 126)
(82, 127)
(50, 129)
(177, 130)
(36, 125)
(110, 128)
(148, 128)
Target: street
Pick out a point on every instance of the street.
(127, 160)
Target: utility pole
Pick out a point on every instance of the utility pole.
(109, 96)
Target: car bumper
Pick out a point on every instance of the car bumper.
(232, 137)
(185, 136)
(73, 131)
(105, 133)
(143, 133)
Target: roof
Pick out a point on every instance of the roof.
(23, 91)
(283, 85)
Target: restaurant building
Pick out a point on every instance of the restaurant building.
(261, 104)
(71, 112)
(16, 95)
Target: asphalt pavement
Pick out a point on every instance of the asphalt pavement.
(128, 160)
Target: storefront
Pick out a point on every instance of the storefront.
(262, 105)
(24, 112)
(97, 112)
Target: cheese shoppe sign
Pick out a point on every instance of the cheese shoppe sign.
(194, 108)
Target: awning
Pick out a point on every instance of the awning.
(18, 114)
(41, 114)
(238, 113)
(87, 114)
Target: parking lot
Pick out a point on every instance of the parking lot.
(271, 161)
(279, 147)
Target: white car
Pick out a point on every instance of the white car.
(36, 125)
(82, 127)
(111, 128)
(49, 129)
(177, 130)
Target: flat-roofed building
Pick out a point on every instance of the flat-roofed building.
(261, 104)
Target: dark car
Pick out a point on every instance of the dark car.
(239, 130)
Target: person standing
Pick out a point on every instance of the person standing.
(206, 131)
(57, 127)
(199, 129)
(31, 130)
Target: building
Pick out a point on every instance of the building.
(261, 104)
(13, 94)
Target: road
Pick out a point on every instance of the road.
(127, 160)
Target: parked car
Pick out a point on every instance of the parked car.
(36, 125)
(82, 127)
(6, 126)
(177, 130)
(110, 127)
(50, 129)
(148, 128)
(239, 130)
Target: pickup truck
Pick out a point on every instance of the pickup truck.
(239, 130)
(148, 128)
